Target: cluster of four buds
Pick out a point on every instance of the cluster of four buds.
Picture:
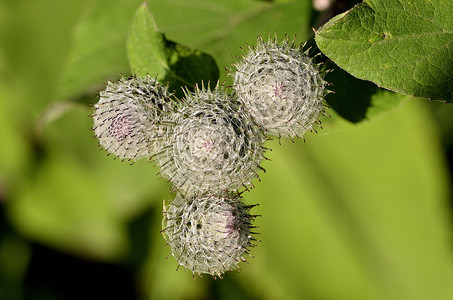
(210, 144)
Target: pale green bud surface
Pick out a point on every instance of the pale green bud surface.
(280, 87)
(129, 118)
(214, 145)
(208, 234)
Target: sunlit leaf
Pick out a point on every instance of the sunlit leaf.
(151, 53)
(404, 46)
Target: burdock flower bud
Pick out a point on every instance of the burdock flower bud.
(208, 234)
(130, 117)
(214, 144)
(281, 87)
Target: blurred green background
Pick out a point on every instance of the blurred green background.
(358, 211)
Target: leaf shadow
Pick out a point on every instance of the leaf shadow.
(189, 67)
(352, 97)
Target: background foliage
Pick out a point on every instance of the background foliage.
(362, 210)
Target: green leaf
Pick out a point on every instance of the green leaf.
(99, 49)
(221, 27)
(405, 46)
(145, 45)
(149, 52)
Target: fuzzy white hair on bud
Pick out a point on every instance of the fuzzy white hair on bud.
(214, 145)
(281, 87)
(208, 234)
(130, 116)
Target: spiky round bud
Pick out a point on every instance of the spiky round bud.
(213, 146)
(208, 234)
(130, 117)
(281, 87)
